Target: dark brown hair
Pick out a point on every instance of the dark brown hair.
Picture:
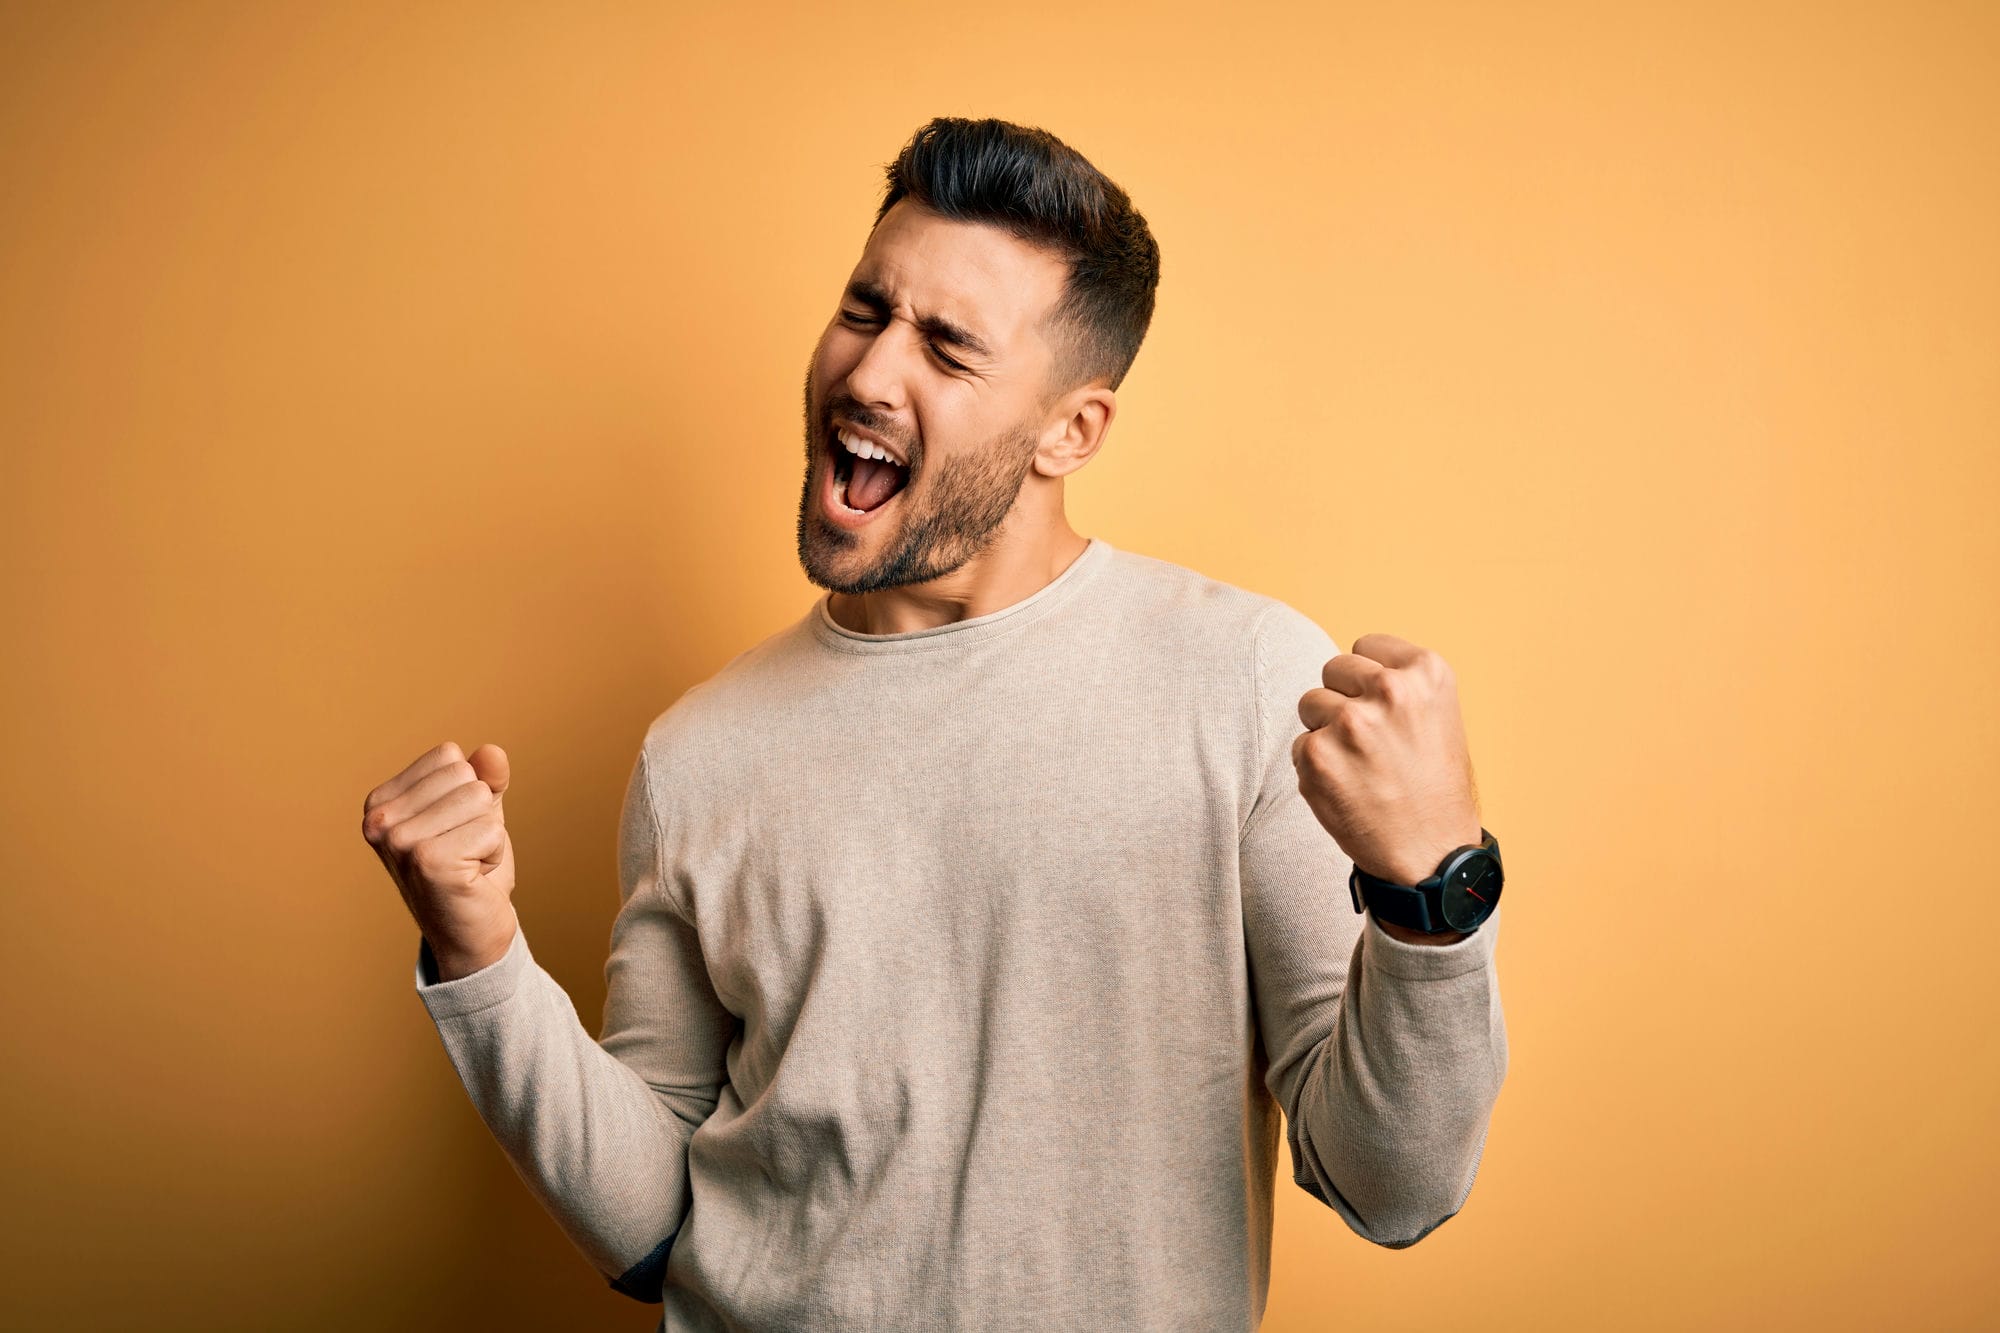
(1044, 192)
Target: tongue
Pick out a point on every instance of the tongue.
(873, 483)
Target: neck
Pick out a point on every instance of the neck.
(1012, 569)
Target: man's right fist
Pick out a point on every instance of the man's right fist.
(438, 828)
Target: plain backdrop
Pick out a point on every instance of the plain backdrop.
(373, 375)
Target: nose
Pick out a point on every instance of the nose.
(878, 378)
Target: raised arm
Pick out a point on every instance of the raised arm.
(1387, 1056)
(598, 1128)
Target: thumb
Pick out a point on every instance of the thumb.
(489, 762)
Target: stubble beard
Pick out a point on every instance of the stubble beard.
(966, 497)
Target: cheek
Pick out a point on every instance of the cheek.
(838, 352)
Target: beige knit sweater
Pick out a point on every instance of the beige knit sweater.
(959, 976)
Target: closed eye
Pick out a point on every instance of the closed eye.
(866, 322)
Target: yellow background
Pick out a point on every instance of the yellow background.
(371, 378)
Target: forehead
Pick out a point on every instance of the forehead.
(974, 274)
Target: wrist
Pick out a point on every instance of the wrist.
(460, 958)
(1409, 866)
(1412, 865)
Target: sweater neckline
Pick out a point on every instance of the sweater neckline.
(961, 632)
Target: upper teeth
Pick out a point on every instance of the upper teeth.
(861, 448)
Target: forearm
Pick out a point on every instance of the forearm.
(1395, 1107)
(599, 1148)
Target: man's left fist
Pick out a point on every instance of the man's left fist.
(1383, 762)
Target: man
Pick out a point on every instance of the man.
(975, 927)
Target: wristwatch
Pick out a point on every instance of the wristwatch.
(1460, 896)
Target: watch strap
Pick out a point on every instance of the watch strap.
(1398, 904)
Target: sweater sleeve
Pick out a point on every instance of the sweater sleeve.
(1386, 1057)
(598, 1128)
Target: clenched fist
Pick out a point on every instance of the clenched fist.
(438, 828)
(1383, 762)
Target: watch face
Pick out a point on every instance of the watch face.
(1471, 891)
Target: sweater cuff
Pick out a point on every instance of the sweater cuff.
(1430, 962)
(490, 985)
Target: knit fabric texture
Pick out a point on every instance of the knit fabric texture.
(958, 978)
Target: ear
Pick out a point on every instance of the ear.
(1083, 418)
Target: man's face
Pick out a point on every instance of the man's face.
(935, 349)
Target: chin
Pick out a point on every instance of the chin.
(818, 552)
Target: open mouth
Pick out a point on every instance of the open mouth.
(863, 485)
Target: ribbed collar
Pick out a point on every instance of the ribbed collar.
(961, 632)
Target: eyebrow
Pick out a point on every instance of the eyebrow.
(873, 295)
